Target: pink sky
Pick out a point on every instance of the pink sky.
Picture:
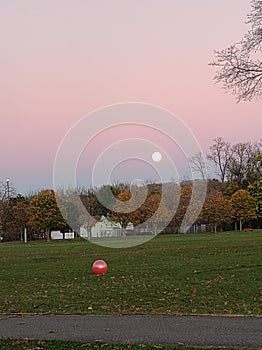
(62, 59)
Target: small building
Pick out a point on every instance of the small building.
(69, 235)
(105, 227)
(57, 234)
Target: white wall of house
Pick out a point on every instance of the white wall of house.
(104, 228)
(57, 235)
(69, 235)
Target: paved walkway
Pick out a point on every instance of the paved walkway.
(187, 330)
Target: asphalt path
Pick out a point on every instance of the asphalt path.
(186, 330)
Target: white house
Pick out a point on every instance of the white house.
(105, 227)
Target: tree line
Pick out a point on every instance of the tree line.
(233, 199)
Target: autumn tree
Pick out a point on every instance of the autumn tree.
(240, 65)
(123, 212)
(231, 188)
(144, 205)
(243, 207)
(215, 185)
(184, 202)
(255, 189)
(255, 163)
(44, 213)
(7, 193)
(99, 201)
(91, 203)
(244, 166)
(217, 209)
(155, 211)
(19, 211)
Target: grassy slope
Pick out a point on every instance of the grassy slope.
(176, 274)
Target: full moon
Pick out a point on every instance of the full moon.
(156, 156)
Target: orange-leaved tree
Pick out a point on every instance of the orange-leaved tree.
(123, 212)
(44, 213)
(217, 209)
(156, 212)
(244, 207)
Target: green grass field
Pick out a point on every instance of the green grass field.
(8, 344)
(175, 274)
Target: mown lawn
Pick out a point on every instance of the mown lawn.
(175, 274)
(24, 344)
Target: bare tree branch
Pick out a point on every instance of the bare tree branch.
(240, 65)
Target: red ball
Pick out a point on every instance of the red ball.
(99, 267)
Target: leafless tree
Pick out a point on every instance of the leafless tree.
(238, 166)
(240, 65)
(198, 165)
(7, 190)
(220, 156)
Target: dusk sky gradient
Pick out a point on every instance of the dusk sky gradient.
(61, 60)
